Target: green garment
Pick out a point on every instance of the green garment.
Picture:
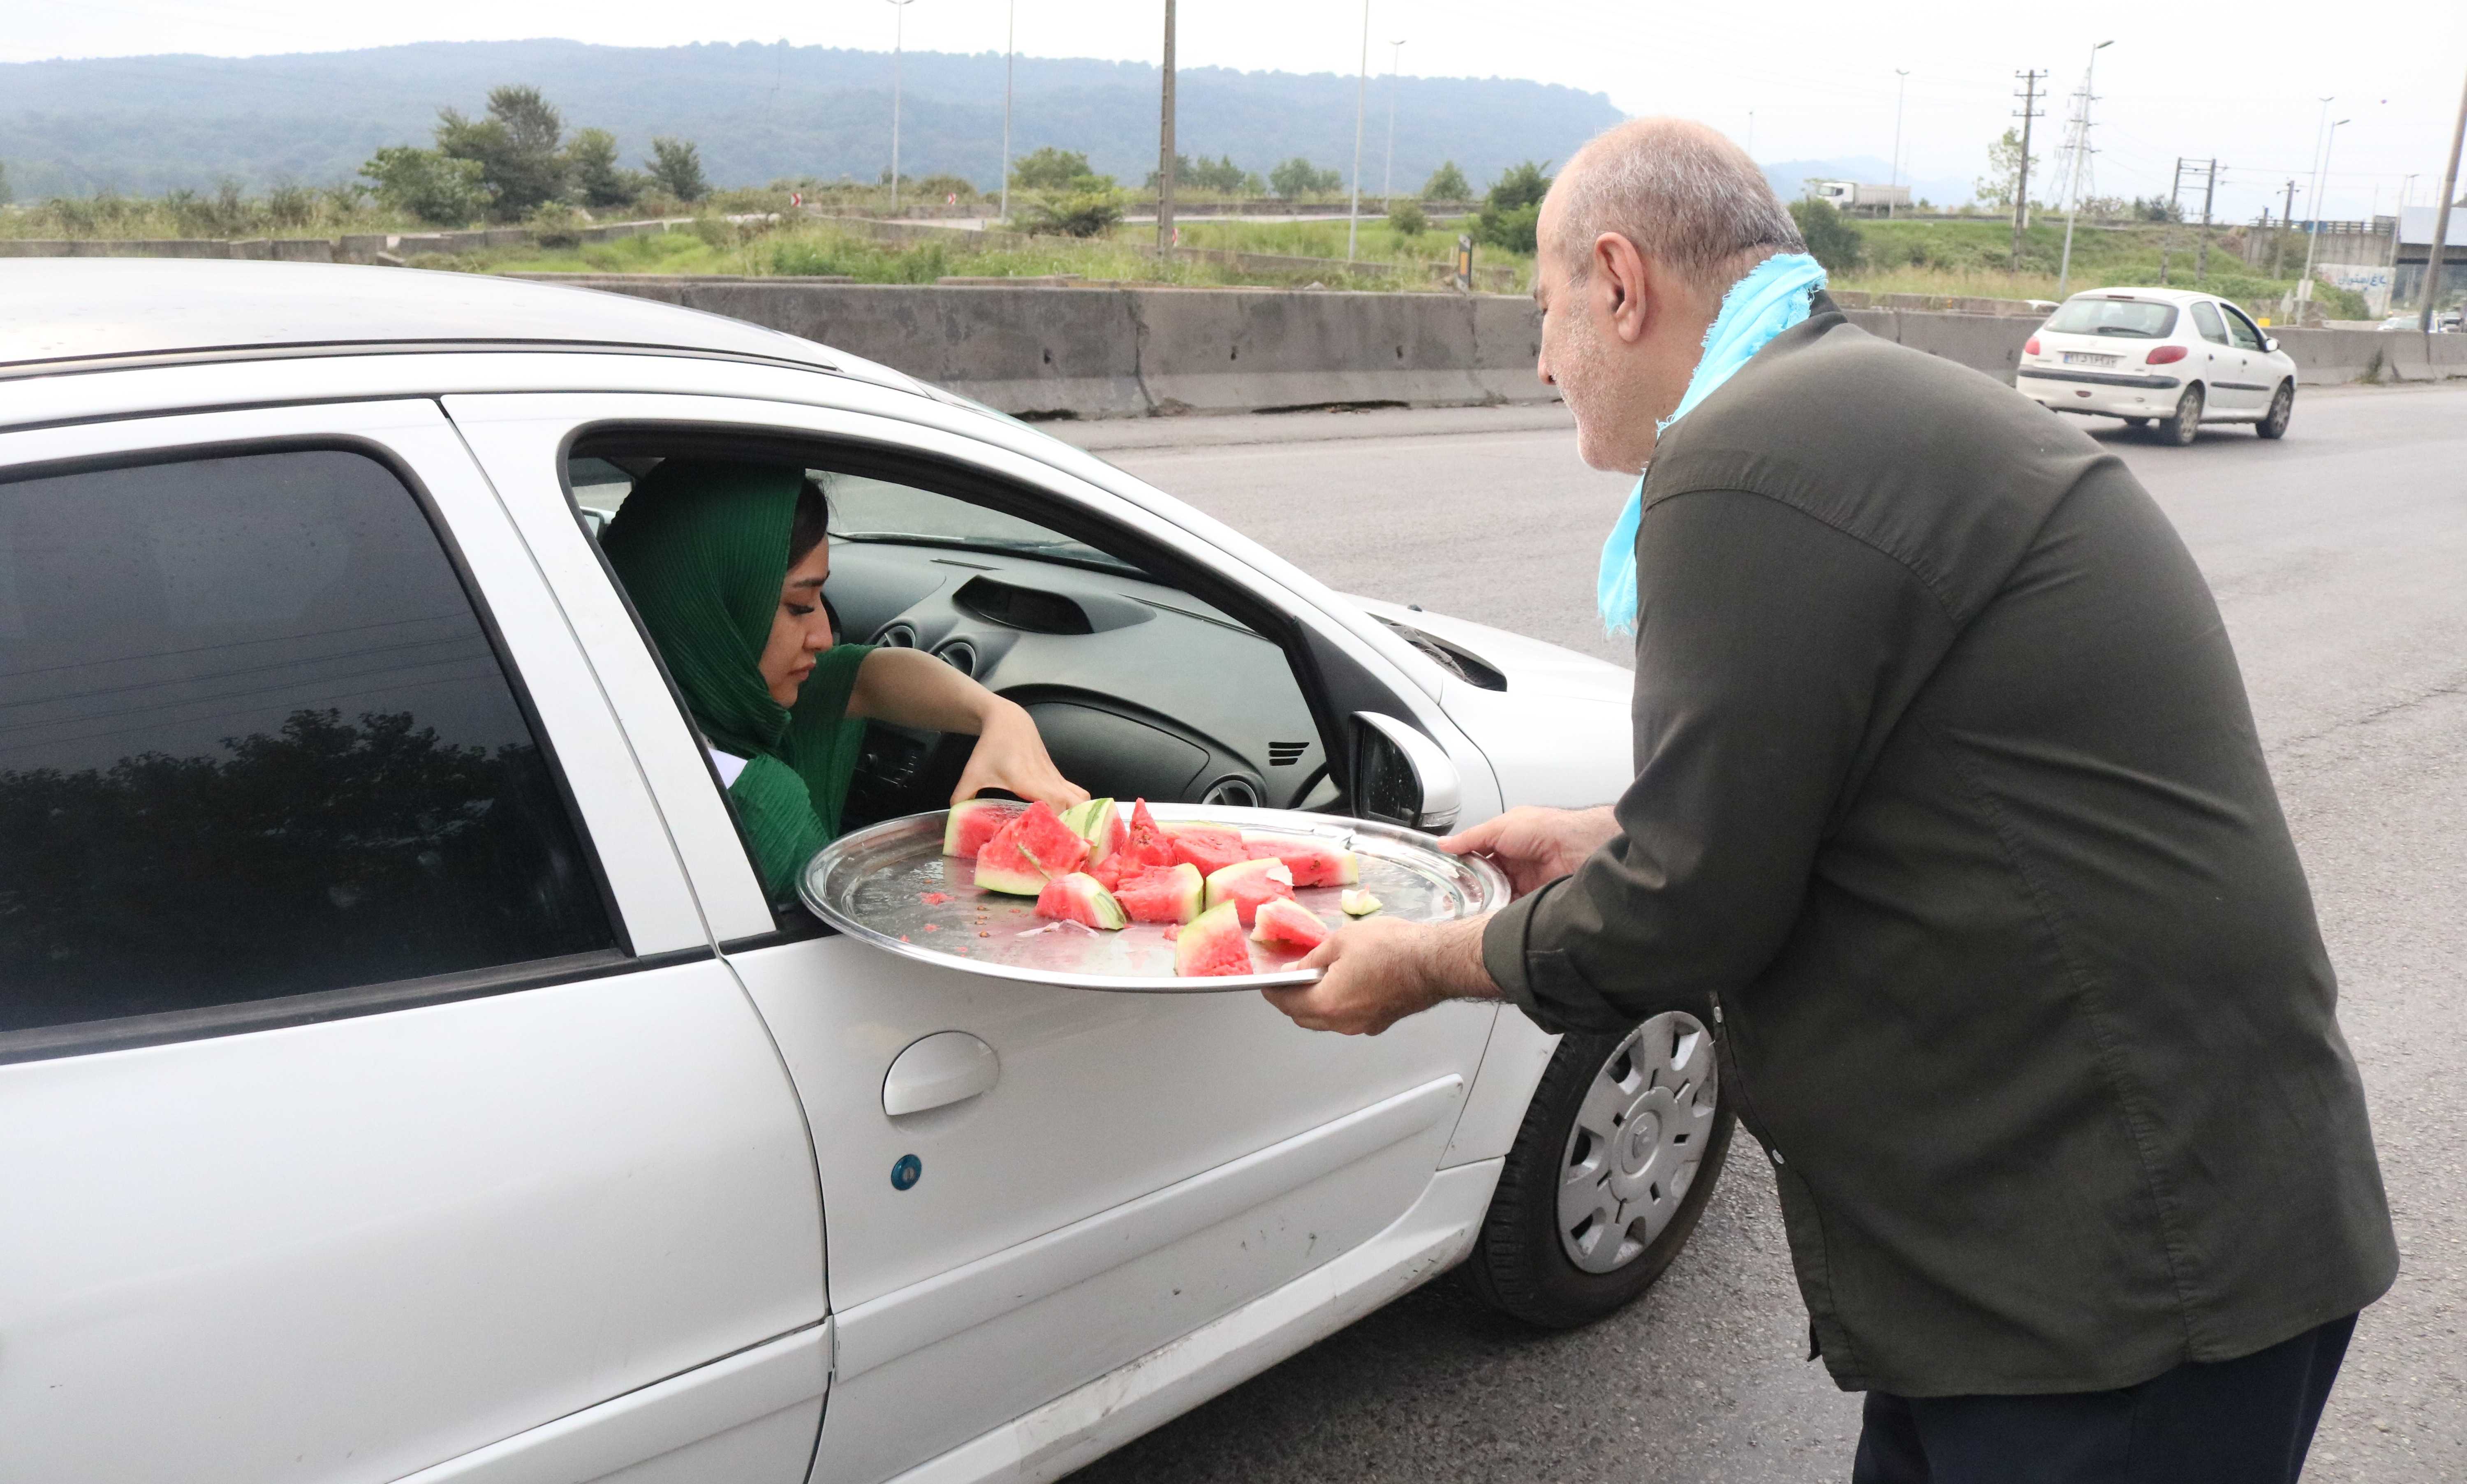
(701, 547)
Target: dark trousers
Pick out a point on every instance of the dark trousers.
(2246, 1421)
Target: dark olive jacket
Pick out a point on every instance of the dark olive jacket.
(1948, 801)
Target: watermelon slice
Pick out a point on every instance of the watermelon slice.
(1147, 843)
(1029, 852)
(1163, 893)
(1284, 924)
(1211, 848)
(1211, 945)
(1099, 824)
(1077, 898)
(1314, 863)
(1358, 904)
(1246, 883)
(973, 822)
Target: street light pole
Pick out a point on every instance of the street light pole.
(1164, 144)
(2430, 301)
(1388, 177)
(2073, 181)
(898, 15)
(1011, 50)
(1901, 92)
(1361, 97)
(2313, 239)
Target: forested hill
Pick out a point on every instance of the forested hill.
(760, 113)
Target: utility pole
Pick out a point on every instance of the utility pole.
(1901, 92)
(2022, 180)
(2431, 299)
(2313, 239)
(2167, 231)
(1011, 50)
(898, 15)
(1388, 177)
(2081, 156)
(2209, 194)
(1361, 98)
(1164, 145)
(2286, 219)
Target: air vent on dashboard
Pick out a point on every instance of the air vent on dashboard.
(1233, 793)
(959, 655)
(1284, 754)
(896, 636)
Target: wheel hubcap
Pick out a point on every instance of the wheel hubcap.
(1639, 1137)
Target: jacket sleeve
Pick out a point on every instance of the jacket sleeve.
(1775, 654)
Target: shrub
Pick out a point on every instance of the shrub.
(1447, 183)
(936, 187)
(1407, 217)
(1048, 170)
(1832, 238)
(1513, 209)
(1077, 213)
(1299, 178)
(428, 185)
(557, 224)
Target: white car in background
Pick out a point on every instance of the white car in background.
(403, 1074)
(2167, 359)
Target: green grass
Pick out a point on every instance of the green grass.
(1971, 258)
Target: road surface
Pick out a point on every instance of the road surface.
(2340, 559)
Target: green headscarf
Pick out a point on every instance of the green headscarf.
(701, 547)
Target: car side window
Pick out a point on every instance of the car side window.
(2205, 319)
(2241, 331)
(254, 742)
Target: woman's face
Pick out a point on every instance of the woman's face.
(799, 627)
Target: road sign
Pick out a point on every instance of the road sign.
(1464, 262)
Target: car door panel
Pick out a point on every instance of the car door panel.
(359, 1233)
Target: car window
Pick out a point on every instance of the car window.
(2136, 319)
(873, 509)
(2205, 319)
(2241, 331)
(254, 742)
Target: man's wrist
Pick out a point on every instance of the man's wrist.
(1453, 962)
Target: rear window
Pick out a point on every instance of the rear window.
(2134, 319)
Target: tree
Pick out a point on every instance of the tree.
(1512, 210)
(1299, 178)
(2156, 208)
(1221, 175)
(2003, 168)
(1447, 183)
(6, 195)
(1048, 170)
(427, 185)
(591, 165)
(676, 168)
(1832, 238)
(516, 147)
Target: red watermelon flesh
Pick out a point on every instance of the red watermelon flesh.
(1211, 848)
(1163, 893)
(1147, 843)
(1246, 883)
(973, 822)
(1314, 863)
(1077, 898)
(1030, 851)
(1285, 924)
(1213, 945)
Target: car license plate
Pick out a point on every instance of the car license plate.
(2090, 358)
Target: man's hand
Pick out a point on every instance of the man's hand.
(1536, 846)
(1384, 969)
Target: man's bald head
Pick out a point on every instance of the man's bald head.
(1683, 193)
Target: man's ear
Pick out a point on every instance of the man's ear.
(1621, 268)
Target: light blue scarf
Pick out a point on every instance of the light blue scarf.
(1769, 299)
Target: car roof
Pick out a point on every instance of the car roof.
(2173, 296)
(58, 313)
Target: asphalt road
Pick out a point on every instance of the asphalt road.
(2340, 558)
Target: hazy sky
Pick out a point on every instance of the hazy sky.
(2243, 85)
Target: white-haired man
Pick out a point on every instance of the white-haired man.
(1949, 808)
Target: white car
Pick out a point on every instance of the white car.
(2165, 358)
(402, 1076)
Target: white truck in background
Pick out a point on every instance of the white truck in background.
(1853, 195)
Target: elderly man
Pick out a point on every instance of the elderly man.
(1950, 814)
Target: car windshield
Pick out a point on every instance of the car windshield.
(866, 510)
(2136, 319)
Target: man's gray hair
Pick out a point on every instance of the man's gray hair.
(1682, 192)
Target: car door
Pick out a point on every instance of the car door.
(372, 1102)
(1096, 1173)
(2257, 366)
(2222, 369)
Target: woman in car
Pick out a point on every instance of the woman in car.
(726, 563)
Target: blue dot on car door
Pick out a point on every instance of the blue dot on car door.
(906, 1172)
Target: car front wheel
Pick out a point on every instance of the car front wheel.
(2185, 425)
(1618, 1152)
(2282, 407)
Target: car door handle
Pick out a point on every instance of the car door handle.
(945, 1068)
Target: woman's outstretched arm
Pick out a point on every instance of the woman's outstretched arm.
(912, 689)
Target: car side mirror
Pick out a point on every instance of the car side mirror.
(1401, 776)
(2269, 343)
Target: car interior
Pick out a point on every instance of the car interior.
(1141, 685)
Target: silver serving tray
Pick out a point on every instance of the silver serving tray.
(871, 885)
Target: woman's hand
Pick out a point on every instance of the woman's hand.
(1009, 755)
(1537, 846)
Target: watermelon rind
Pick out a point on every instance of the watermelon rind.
(1212, 944)
(1008, 879)
(1099, 824)
(969, 815)
(1289, 924)
(1078, 897)
(1224, 883)
(1030, 851)
(1358, 904)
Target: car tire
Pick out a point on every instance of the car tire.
(2185, 424)
(1641, 1115)
(2283, 408)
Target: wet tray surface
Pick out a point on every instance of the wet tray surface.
(876, 885)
